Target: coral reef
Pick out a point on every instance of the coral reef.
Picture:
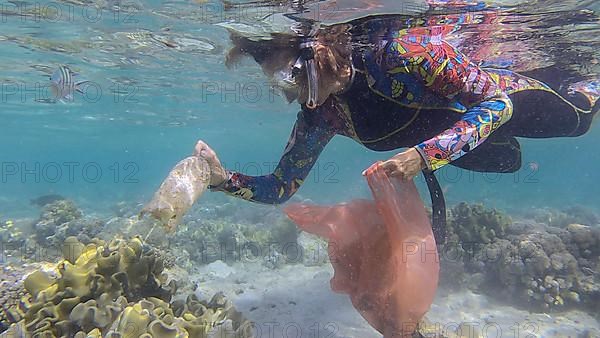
(27, 240)
(475, 224)
(313, 249)
(110, 289)
(61, 219)
(44, 200)
(211, 240)
(53, 215)
(126, 209)
(11, 293)
(10, 234)
(543, 266)
(230, 232)
(15, 244)
(561, 218)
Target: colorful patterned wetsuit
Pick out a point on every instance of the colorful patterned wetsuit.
(412, 88)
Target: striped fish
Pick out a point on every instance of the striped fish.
(63, 85)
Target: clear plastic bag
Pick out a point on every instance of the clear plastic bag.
(383, 252)
(186, 182)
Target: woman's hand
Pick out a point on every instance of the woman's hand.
(406, 165)
(218, 175)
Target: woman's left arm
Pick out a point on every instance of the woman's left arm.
(465, 135)
(448, 73)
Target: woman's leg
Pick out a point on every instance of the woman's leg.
(537, 114)
(548, 109)
(545, 114)
(498, 154)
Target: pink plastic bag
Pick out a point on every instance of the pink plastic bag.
(383, 252)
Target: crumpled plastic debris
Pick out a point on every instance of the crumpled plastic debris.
(186, 182)
(383, 252)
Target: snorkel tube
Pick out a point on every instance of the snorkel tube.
(307, 31)
(307, 55)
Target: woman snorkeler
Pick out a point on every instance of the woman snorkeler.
(388, 87)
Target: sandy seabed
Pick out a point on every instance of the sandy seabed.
(296, 301)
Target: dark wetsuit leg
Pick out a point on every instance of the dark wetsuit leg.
(537, 114)
(541, 114)
(499, 154)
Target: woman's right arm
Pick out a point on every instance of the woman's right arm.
(309, 137)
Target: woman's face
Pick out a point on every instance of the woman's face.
(331, 78)
(278, 67)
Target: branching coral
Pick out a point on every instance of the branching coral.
(475, 224)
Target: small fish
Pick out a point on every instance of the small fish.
(46, 199)
(63, 85)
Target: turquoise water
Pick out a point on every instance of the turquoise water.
(158, 83)
(151, 102)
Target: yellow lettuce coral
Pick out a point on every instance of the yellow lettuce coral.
(116, 289)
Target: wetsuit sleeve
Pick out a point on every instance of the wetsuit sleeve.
(309, 137)
(448, 74)
(474, 128)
